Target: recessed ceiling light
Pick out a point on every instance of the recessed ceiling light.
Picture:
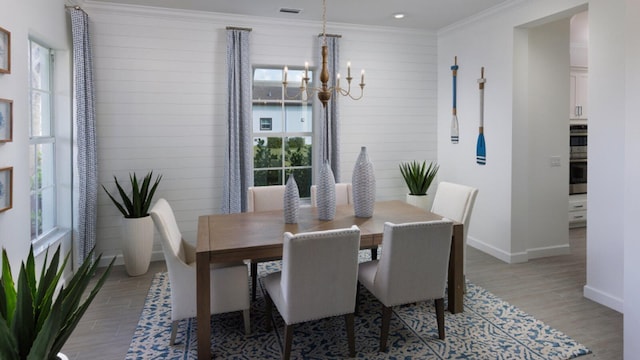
(398, 16)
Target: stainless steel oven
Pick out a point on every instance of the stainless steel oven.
(577, 159)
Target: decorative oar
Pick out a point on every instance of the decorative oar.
(481, 150)
(454, 119)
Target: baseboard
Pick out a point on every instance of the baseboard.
(105, 260)
(603, 298)
(519, 257)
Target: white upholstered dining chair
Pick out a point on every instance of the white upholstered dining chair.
(412, 267)
(307, 289)
(263, 198)
(455, 202)
(229, 282)
(343, 194)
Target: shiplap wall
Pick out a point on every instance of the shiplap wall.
(161, 93)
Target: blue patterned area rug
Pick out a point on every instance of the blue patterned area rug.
(489, 328)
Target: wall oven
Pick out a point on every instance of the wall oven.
(577, 159)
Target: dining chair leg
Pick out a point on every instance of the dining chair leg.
(351, 337)
(439, 303)
(288, 337)
(254, 279)
(384, 329)
(356, 309)
(268, 305)
(247, 321)
(174, 330)
(374, 253)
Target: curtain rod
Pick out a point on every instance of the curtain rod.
(330, 35)
(238, 28)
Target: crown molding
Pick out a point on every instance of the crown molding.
(480, 16)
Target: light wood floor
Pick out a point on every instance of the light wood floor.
(550, 289)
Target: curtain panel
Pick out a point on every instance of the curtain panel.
(85, 134)
(238, 174)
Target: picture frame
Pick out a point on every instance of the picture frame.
(5, 51)
(6, 188)
(6, 120)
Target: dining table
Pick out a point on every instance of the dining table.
(224, 238)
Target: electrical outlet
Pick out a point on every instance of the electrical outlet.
(554, 161)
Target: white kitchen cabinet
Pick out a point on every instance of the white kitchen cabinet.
(579, 87)
(577, 210)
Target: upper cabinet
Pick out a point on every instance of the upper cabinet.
(578, 84)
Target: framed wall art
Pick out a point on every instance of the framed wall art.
(6, 120)
(6, 188)
(5, 51)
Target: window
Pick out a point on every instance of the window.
(282, 130)
(42, 142)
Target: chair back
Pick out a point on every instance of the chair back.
(319, 273)
(343, 194)
(265, 198)
(414, 262)
(455, 202)
(170, 235)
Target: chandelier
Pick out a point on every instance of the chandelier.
(324, 92)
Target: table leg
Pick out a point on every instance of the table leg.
(455, 286)
(203, 283)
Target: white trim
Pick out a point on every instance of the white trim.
(603, 298)
(548, 251)
(519, 257)
(479, 16)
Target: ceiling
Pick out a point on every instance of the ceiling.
(419, 14)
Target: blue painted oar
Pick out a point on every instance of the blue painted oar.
(481, 149)
(454, 119)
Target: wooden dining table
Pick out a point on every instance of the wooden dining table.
(258, 235)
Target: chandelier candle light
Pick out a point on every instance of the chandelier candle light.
(325, 91)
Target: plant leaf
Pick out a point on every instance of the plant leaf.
(8, 344)
(23, 325)
(10, 295)
(43, 341)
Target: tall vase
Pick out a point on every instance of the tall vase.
(137, 244)
(291, 201)
(363, 182)
(326, 193)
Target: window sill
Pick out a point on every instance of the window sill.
(57, 236)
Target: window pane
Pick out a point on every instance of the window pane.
(272, 112)
(36, 216)
(299, 118)
(48, 206)
(40, 114)
(35, 183)
(267, 177)
(45, 157)
(298, 151)
(40, 67)
(303, 179)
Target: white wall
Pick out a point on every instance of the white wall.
(48, 25)
(632, 179)
(161, 87)
(517, 171)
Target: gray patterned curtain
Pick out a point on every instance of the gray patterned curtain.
(238, 175)
(85, 135)
(329, 138)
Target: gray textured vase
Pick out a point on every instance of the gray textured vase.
(291, 201)
(326, 198)
(363, 182)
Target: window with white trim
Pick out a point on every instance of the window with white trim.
(42, 142)
(282, 129)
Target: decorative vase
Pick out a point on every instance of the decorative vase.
(291, 201)
(326, 193)
(363, 182)
(62, 356)
(421, 201)
(137, 244)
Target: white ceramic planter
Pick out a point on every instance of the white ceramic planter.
(137, 244)
(421, 201)
(62, 356)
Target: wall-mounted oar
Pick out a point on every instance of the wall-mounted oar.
(481, 149)
(454, 119)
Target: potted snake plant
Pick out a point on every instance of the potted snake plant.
(137, 225)
(418, 177)
(38, 314)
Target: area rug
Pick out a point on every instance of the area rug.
(489, 328)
